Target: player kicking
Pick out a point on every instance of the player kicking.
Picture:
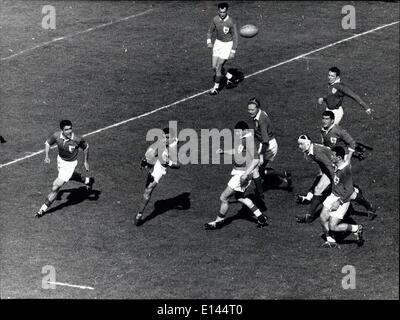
(337, 203)
(68, 144)
(336, 92)
(245, 159)
(157, 159)
(267, 147)
(224, 47)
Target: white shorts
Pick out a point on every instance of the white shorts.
(158, 171)
(271, 152)
(341, 211)
(234, 182)
(222, 49)
(338, 114)
(65, 168)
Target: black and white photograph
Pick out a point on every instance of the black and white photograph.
(199, 154)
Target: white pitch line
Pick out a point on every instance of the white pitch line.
(69, 285)
(206, 91)
(322, 48)
(43, 44)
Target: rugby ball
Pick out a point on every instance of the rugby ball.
(248, 31)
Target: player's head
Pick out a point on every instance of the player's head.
(223, 9)
(66, 127)
(328, 118)
(338, 154)
(304, 143)
(168, 135)
(241, 128)
(333, 74)
(253, 106)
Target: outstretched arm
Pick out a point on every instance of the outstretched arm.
(86, 157)
(350, 93)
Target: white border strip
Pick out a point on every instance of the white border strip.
(206, 91)
(69, 285)
(75, 34)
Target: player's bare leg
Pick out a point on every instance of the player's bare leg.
(217, 64)
(262, 219)
(88, 181)
(357, 229)
(324, 219)
(219, 221)
(258, 183)
(57, 185)
(150, 186)
(359, 198)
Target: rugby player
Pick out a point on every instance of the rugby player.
(242, 172)
(157, 159)
(68, 144)
(224, 47)
(336, 92)
(337, 203)
(267, 146)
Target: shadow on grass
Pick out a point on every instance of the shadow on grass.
(75, 196)
(238, 76)
(274, 182)
(245, 213)
(180, 202)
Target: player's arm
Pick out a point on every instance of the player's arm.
(235, 37)
(327, 163)
(85, 147)
(264, 125)
(321, 100)
(46, 152)
(350, 143)
(229, 151)
(350, 93)
(250, 150)
(50, 141)
(169, 163)
(209, 33)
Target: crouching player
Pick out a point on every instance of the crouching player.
(337, 203)
(157, 159)
(245, 160)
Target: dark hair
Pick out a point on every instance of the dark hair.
(242, 125)
(223, 5)
(255, 101)
(329, 114)
(339, 150)
(335, 70)
(64, 123)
